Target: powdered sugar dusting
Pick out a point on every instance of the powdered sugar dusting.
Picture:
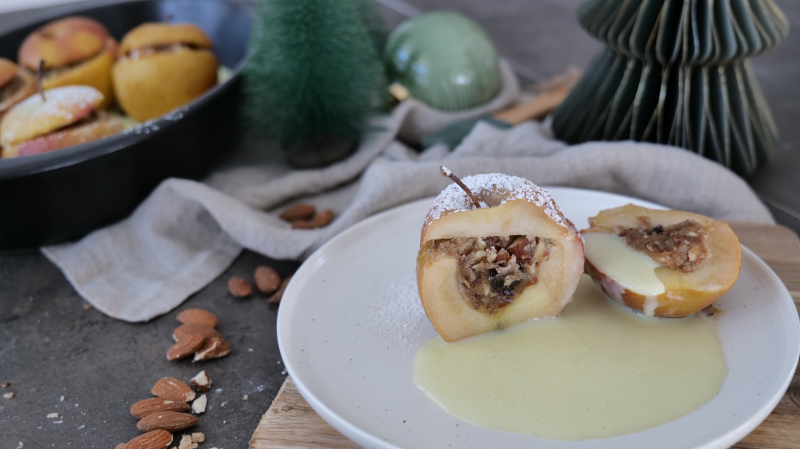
(63, 106)
(400, 315)
(453, 199)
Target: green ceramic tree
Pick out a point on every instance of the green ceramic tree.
(676, 72)
(315, 76)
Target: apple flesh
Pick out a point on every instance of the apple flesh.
(77, 134)
(448, 307)
(684, 293)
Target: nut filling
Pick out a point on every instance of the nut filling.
(681, 246)
(494, 270)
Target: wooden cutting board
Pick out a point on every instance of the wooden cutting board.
(291, 423)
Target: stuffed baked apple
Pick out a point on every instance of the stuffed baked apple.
(76, 51)
(15, 85)
(495, 251)
(55, 119)
(662, 263)
(164, 66)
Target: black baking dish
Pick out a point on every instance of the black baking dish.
(62, 195)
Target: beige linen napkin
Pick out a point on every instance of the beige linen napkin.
(187, 233)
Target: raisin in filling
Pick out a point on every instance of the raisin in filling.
(494, 270)
(681, 246)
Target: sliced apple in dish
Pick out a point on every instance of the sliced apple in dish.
(662, 263)
(495, 254)
(57, 118)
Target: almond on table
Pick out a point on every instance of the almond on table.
(267, 279)
(239, 287)
(278, 295)
(146, 407)
(213, 348)
(199, 404)
(190, 329)
(199, 316)
(185, 347)
(167, 420)
(173, 389)
(201, 381)
(153, 439)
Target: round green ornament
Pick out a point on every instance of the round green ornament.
(445, 60)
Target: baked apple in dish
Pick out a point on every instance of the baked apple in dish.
(15, 85)
(55, 119)
(76, 51)
(495, 251)
(660, 262)
(163, 66)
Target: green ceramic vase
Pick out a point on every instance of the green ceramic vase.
(445, 60)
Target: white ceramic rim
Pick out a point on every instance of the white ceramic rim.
(368, 440)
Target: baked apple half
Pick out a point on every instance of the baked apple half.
(495, 252)
(662, 263)
(75, 51)
(55, 119)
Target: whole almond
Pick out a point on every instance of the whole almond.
(302, 211)
(185, 347)
(303, 225)
(173, 389)
(213, 348)
(267, 279)
(196, 315)
(239, 287)
(153, 439)
(151, 405)
(323, 218)
(278, 295)
(167, 420)
(191, 329)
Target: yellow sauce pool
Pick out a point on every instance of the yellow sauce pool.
(596, 371)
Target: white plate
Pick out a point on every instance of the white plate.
(351, 321)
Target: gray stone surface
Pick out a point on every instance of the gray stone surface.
(50, 346)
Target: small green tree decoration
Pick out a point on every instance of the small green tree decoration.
(315, 76)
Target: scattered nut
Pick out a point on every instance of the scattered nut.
(8, 395)
(199, 404)
(267, 279)
(303, 225)
(190, 329)
(191, 441)
(239, 287)
(167, 420)
(244, 398)
(278, 295)
(186, 442)
(5, 384)
(323, 218)
(196, 315)
(153, 439)
(173, 389)
(213, 348)
(144, 408)
(201, 381)
(122, 446)
(87, 306)
(52, 416)
(185, 347)
(302, 211)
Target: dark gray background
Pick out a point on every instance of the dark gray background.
(50, 346)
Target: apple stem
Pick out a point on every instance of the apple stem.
(39, 79)
(446, 172)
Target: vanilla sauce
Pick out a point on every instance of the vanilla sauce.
(598, 370)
